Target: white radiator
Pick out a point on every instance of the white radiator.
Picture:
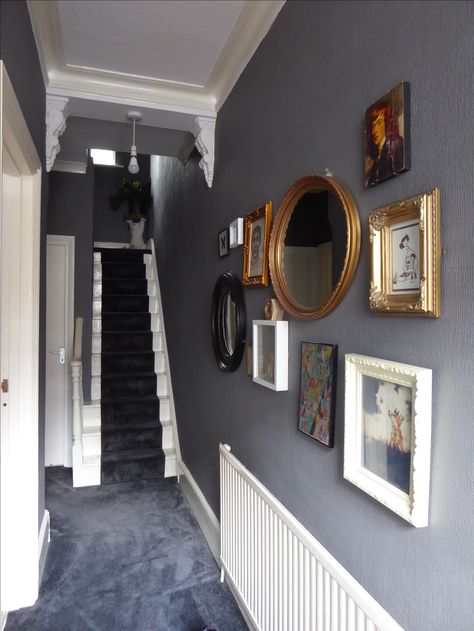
(283, 577)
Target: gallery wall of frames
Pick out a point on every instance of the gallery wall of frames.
(310, 254)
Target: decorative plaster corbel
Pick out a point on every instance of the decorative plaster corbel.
(56, 115)
(204, 133)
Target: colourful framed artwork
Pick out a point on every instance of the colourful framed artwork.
(387, 135)
(405, 239)
(256, 239)
(318, 391)
(387, 436)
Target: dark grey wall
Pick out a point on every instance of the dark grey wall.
(70, 212)
(298, 108)
(18, 52)
(109, 225)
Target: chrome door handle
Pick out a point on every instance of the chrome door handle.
(62, 354)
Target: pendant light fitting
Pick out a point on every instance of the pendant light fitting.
(133, 164)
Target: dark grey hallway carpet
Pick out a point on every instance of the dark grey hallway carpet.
(126, 557)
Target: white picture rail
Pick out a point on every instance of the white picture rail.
(270, 353)
(387, 437)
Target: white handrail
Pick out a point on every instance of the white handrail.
(77, 395)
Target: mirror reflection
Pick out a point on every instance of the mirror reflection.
(314, 248)
(229, 323)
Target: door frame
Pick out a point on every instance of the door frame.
(19, 486)
(68, 242)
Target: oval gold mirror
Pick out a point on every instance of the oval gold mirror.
(314, 246)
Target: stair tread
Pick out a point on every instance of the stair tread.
(125, 313)
(132, 427)
(113, 353)
(146, 398)
(104, 293)
(121, 375)
(127, 331)
(124, 249)
(115, 278)
(132, 454)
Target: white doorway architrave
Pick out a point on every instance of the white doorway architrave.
(59, 333)
(20, 216)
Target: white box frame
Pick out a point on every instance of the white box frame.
(280, 354)
(236, 233)
(413, 506)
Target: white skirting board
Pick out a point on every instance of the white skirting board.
(202, 511)
(44, 538)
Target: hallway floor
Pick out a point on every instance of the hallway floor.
(126, 557)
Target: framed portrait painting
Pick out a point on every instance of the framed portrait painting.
(318, 391)
(256, 238)
(388, 434)
(405, 244)
(387, 135)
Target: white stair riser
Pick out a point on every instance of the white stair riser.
(97, 289)
(171, 469)
(97, 306)
(161, 384)
(97, 273)
(95, 388)
(91, 416)
(155, 322)
(91, 444)
(159, 362)
(165, 410)
(96, 365)
(167, 437)
(157, 341)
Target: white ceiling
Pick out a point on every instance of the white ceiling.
(177, 41)
(177, 58)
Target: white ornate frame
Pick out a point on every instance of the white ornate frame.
(413, 506)
(280, 354)
(424, 208)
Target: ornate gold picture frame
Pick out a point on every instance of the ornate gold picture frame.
(405, 240)
(256, 239)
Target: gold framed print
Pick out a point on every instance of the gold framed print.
(256, 239)
(405, 239)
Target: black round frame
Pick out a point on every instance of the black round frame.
(228, 283)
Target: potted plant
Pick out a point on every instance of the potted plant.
(138, 196)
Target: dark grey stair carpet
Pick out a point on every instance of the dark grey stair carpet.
(126, 557)
(131, 431)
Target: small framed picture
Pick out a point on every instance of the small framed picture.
(223, 242)
(405, 239)
(387, 135)
(236, 233)
(270, 353)
(318, 391)
(387, 438)
(256, 238)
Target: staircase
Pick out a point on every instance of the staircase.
(131, 429)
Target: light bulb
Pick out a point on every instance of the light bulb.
(133, 164)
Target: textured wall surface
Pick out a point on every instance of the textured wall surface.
(70, 212)
(18, 52)
(298, 108)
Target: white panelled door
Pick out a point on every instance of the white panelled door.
(20, 200)
(59, 323)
